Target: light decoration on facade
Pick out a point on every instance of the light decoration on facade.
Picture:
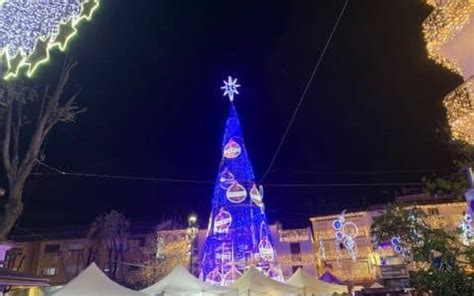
(467, 233)
(442, 25)
(30, 29)
(345, 233)
(239, 236)
(294, 235)
(288, 260)
(322, 250)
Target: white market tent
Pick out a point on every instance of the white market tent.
(93, 282)
(253, 282)
(181, 282)
(313, 286)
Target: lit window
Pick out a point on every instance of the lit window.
(48, 271)
(76, 247)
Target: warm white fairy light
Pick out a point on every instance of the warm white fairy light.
(460, 110)
(29, 29)
(447, 19)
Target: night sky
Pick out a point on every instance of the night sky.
(151, 73)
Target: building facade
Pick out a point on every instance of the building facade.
(374, 262)
(295, 249)
(149, 255)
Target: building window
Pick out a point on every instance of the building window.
(294, 268)
(76, 247)
(141, 241)
(433, 211)
(16, 251)
(52, 249)
(48, 271)
(133, 268)
(295, 248)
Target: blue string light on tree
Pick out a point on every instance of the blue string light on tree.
(239, 236)
(345, 233)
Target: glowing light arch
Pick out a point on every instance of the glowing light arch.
(30, 47)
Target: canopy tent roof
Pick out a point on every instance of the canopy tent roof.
(181, 282)
(314, 286)
(376, 286)
(93, 282)
(253, 281)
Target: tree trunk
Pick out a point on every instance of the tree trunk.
(13, 208)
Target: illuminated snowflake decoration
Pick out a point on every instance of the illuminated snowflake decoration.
(345, 234)
(230, 88)
(30, 29)
(396, 243)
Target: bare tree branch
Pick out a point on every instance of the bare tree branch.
(50, 111)
(7, 137)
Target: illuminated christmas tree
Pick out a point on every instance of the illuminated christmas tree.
(238, 234)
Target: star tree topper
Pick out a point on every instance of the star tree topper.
(230, 88)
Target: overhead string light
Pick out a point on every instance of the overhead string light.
(30, 29)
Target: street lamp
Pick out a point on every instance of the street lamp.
(192, 232)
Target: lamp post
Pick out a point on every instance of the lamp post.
(192, 233)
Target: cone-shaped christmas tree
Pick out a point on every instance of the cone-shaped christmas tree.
(238, 234)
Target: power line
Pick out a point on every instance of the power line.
(303, 95)
(307, 185)
(369, 172)
(60, 172)
(57, 171)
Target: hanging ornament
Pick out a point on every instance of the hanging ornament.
(256, 196)
(232, 275)
(226, 179)
(350, 230)
(232, 149)
(222, 221)
(214, 277)
(265, 248)
(236, 193)
(337, 224)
